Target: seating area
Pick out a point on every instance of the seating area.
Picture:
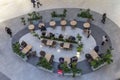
(70, 45)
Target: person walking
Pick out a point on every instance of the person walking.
(89, 33)
(8, 30)
(38, 3)
(104, 40)
(33, 2)
(103, 18)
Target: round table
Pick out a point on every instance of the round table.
(86, 25)
(41, 24)
(52, 23)
(31, 27)
(73, 23)
(63, 22)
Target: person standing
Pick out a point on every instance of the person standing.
(38, 3)
(33, 1)
(104, 40)
(8, 30)
(103, 18)
(89, 33)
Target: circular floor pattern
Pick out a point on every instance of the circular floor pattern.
(97, 33)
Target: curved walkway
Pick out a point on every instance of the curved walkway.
(16, 69)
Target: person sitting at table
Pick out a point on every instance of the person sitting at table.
(43, 33)
(60, 36)
(52, 35)
(61, 45)
(43, 28)
(23, 44)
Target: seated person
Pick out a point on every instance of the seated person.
(74, 59)
(43, 28)
(61, 36)
(96, 49)
(52, 35)
(23, 44)
(43, 33)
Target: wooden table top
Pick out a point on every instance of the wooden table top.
(67, 60)
(66, 45)
(94, 54)
(31, 26)
(86, 25)
(41, 24)
(52, 23)
(48, 56)
(73, 22)
(63, 22)
(49, 42)
(26, 49)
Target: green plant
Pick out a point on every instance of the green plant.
(79, 48)
(54, 14)
(65, 68)
(16, 49)
(75, 69)
(79, 37)
(85, 14)
(34, 16)
(96, 63)
(44, 63)
(35, 34)
(107, 57)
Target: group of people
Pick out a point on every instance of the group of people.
(36, 3)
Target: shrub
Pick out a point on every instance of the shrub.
(44, 63)
(16, 49)
(85, 14)
(79, 48)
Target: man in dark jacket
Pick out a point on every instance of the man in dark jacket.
(8, 30)
(33, 1)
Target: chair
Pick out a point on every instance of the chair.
(71, 46)
(44, 41)
(54, 43)
(89, 57)
(61, 45)
(61, 60)
(23, 44)
(74, 59)
(42, 53)
(96, 49)
(51, 59)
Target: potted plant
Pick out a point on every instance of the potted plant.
(79, 37)
(44, 63)
(74, 69)
(107, 57)
(16, 49)
(79, 48)
(85, 14)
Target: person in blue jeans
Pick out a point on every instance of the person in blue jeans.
(33, 1)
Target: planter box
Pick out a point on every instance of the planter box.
(39, 67)
(70, 74)
(98, 66)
